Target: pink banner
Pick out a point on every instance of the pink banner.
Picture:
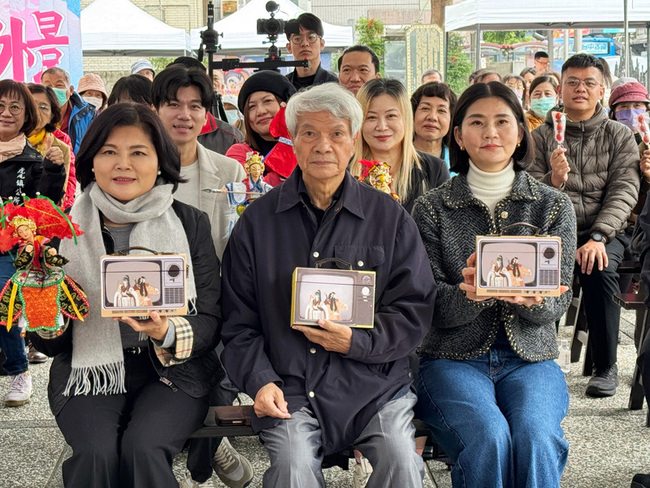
(36, 35)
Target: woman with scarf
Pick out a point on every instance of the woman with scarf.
(46, 134)
(261, 97)
(23, 172)
(126, 394)
(543, 97)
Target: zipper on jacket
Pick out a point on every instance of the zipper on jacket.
(168, 383)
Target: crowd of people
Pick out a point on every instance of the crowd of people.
(148, 165)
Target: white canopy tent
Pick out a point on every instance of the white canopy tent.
(240, 30)
(491, 15)
(117, 27)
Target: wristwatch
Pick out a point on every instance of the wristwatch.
(598, 237)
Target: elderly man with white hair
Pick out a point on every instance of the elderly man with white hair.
(319, 389)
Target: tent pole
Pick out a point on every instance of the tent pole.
(478, 46)
(647, 52)
(626, 33)
(566, 44)
(549, 48)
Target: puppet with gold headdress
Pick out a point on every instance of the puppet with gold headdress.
(378, 176)
(39, 294)
(241, 194)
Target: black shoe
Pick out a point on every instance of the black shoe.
(604, 382)
(641, 481)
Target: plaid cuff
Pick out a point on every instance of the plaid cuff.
(182, 351)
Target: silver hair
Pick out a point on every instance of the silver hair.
(328, 97)
(55, 70)
(431, 72)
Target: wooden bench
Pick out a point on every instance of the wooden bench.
(636, 301)
(433, 452)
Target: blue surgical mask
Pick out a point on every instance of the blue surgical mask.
(629, 117)
(61, 95)
(541, 106)
(232, 116)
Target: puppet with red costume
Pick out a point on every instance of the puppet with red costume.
(39, 294)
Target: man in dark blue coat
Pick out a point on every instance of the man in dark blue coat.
(320, 389)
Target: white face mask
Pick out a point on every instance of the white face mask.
(232, 116)
(97, 102)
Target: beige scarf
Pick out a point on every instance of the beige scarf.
(12, 148)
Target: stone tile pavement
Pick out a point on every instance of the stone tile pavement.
(609, 443)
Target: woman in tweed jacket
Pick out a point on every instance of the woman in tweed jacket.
(488, 386)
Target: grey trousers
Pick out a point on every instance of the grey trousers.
(294, 448)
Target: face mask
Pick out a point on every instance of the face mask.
(629, 117)
(519, 93)
(95, 101)
(232, 116)
(61, 95)
(541, 106)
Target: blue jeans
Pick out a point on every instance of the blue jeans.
(12, 345)
(497, 417)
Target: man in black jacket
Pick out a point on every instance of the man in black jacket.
(322, 387)
(305, 41)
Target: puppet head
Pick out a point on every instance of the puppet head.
(38, 216)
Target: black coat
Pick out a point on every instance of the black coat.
(203, 371)
(279, 232)
(432, 174)
(30, 174)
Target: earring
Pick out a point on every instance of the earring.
(462, 148)
(158, 173)
(92, 169)
(518, 144)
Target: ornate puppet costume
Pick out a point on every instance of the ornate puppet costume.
(241, 194)
(39, 294)
(378, 176)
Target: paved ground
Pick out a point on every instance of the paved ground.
(609, 443)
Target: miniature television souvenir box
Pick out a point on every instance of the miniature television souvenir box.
(343, 296)
(135, 285)
(518, 265)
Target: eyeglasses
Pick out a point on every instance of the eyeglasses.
(575, 83)
(311, 38)
(45, 108)
(14, 108)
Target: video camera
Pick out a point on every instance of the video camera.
(270, 27)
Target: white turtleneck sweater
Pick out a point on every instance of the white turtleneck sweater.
(491, 188)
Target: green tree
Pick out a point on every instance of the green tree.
(371, 33)
(505, 37)
(160, 64)
(459, 66)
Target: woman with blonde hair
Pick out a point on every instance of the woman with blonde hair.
(387, 136)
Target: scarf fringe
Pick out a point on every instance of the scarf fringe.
(142, 337)
(103, 379)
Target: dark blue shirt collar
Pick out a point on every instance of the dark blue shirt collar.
(290, 190)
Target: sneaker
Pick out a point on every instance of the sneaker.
(604, 382)
(20, 390)
(641, 481)
(35, 357)
(233, 469)
(188, 482)
(361, 472)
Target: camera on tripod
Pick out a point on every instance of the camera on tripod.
(271, 27)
